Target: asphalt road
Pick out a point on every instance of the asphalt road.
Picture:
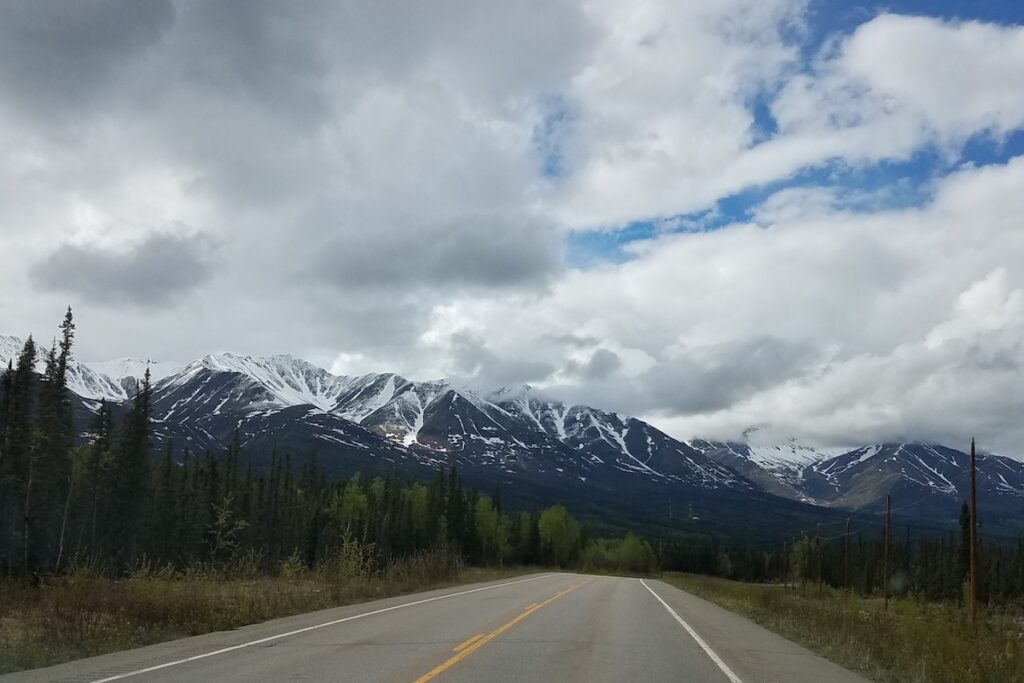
(545, 627)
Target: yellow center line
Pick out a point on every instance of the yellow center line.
(474, 644)
(466, 643)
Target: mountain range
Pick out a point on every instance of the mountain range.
(526, 442)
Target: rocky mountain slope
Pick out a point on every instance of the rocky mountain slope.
(926, 478)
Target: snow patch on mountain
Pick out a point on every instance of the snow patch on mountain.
(10, 349)
(289, 381)
(367, 394)
(81, 378)
(135, 368)
(790, 455)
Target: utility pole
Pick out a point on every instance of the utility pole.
(885, 562)
(974, 543)
(817, 542)
(846, 554)
(805, 569)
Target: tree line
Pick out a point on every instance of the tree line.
(112, 503)
(931, 566)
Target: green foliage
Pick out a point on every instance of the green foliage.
(560, 536)
(629, 555)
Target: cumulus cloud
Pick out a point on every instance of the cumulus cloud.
(488, 250)
(601, 364)
(898, 83)
(660, 112)
(476, 365)
(153, 272)
(652, 139)
(53, 61)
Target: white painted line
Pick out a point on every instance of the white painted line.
(700, 641)
(310, 628)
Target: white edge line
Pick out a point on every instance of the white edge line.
(693, 634)
(310, 628)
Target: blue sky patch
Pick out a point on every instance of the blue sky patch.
(876, 187)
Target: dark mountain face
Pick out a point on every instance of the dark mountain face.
(934, 479)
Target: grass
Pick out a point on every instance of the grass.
(914, 642)
(82, 614)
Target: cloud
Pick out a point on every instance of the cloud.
(154, 272)
(392, 185)
(486, 250)
(652, 140)
(660, 113)
(602, 364)
(55, 59)
(833, 325)
(941, 81)
(475, 364)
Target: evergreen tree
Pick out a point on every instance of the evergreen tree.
(964, 555)
(18, 452)
(131, 482)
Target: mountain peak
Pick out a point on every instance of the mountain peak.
(10, 348)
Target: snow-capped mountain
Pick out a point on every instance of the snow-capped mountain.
(82, 379)
(777, 468)
(244, 383)
(925, 477)
(382, 420)
(920, 474)
(10, 348)
(205, 402)
(626, 443)
(128, 372)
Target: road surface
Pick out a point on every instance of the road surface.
(544, 627)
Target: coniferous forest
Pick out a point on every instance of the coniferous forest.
(112, 503)
(932, 566)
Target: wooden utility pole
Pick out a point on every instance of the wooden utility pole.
(846, 554)
(885, 562)
(817, 542)
(973, 604)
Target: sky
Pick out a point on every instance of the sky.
(771, 218)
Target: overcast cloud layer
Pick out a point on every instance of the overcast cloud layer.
(398, 186)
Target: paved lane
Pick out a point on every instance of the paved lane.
(551, 627)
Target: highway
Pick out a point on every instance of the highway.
(543, 627)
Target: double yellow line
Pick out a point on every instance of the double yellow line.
(470, 646)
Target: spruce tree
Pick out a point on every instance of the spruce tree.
(19, 442)
(131, 485)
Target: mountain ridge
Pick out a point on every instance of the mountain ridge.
(510, 432)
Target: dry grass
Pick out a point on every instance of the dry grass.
(83, 614)
(914, 642)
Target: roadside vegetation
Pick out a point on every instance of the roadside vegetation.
(914, 641)
(82, 613)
